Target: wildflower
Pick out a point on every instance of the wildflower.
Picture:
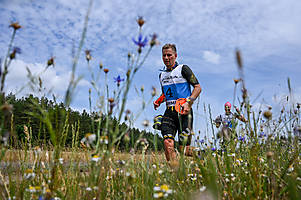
(291, 168)
(239, 161)
(140, 21)
(118, 80)
(158, 195)
(244, 93)
(262, 134)
(241, 138)
(203, 188)
(193, 178)
(61, 160)
(143, 142)
(127, 114)
(213, 149)
(121, 162)
(140, 42)
(165, 188)
(128, 73)
(154, 91)
(89, 139)
(29, 174)
(104, 139)
(106, 70)
(267, 114)
(111, 104)
(88, 189)
(145, 123)
(50, 62)
(154, 40)
(4, 138)
(16, 50)
(261, 159)
(236, 81)
(95, 158)
(15, 25)
(31, 189)
(88, 55)
(160, 171)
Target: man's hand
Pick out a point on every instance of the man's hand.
(158, 102)
(186, 108)
(156, 105)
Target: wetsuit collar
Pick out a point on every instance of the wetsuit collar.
(176, 64)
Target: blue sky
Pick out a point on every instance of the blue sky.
(206, 33)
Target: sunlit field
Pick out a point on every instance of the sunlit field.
(45, 155)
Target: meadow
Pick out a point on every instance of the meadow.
(261, 161)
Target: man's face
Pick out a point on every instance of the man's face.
(169, 57)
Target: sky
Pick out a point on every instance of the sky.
(207, 33)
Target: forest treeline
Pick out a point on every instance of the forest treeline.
(25, 117)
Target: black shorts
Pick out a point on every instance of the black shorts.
(172, 123)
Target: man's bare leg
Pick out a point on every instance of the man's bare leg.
(169, 149)
(188, 150)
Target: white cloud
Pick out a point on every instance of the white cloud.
(52, 79)
(211, 57)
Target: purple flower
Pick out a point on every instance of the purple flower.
(118, 80)
(141, 42)
(241, 138)
(17, 50)
(213, 149)
(262, 134)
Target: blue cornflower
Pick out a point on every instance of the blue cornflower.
(118, 80)
(262, 134)
(16, 50)
(241, 138)
(141, 42)
(213, 149)
(200, 141)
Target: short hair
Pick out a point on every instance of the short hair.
(170, 46)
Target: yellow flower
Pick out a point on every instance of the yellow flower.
(164, 187)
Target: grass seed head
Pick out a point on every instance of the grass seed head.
(50, 62)
(15, 25)
(267, 114)
(140, 21)
(106, 70)
(88, 55)
(238, 59)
